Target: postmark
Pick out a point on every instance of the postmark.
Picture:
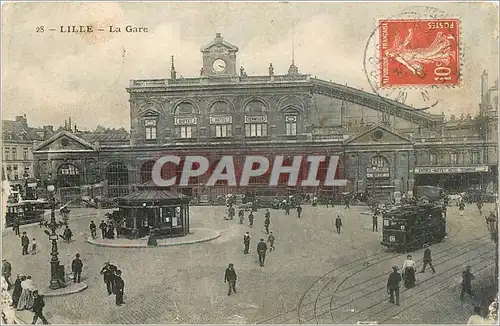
(419, 52)
(403, 88)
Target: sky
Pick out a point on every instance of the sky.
(51, 76)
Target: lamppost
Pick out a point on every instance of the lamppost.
(492, 224)
(55, 279)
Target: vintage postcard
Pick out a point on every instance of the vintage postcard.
(250, 162)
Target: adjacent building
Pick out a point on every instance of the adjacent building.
(384, 146)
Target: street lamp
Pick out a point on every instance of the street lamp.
(55, 280)
(374, 169)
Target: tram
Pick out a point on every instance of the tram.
(409, 227)
(28, 211)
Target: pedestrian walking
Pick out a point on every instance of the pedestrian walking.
(76, 268)
(393, 285)
(7, 272)
(299, 211)
(15, 227)
(375, 222)
(230, 277)
(461, 207)
(108, 271)
(246, 242)
(103, 226)
(338, 223)
(427, 259)
(231, 212)
(261, 250)
(409, 268)
(271, 239)
(467, 278)
(38, 305)
(250, 219)
(25, 242)
(93, 230)
(16, 294)
(287, 208)
(347, 203)
(33, 246)
(480, 207)
(267, 221)
(67, 234)
(118, 288)
(241, 215)
(268, 214)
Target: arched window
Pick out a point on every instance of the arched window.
(221, 120)
(255, 119)
(433, 158)
(147, 171)
(117, 174)
(185, 120)
(379, 162)
(68, 176)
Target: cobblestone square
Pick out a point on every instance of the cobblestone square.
(314, 276)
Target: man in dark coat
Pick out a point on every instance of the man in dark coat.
(16, 294)
(267, 221)
(118, 288)
(250, 219)
(241, 214)
(15, 227)
(38, 305)
(25, 242)
(76, 268)
(67, 234)
(375, 222)
(338, 223)
(93, 229)
(231, 212)
(108, 271)
(393, 285)
(246, 242)
(299, 211)
(230, 278)
(7, 272)
(103, 227)
(427, 259)
(467, 278)
(261, 250)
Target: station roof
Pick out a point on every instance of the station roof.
(151, 192)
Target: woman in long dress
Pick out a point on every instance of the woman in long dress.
(26, 299)
(16, 294)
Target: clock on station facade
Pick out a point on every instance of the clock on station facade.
(219, 58)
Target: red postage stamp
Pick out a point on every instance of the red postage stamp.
(419, 52)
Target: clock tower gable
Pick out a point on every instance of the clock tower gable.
(219, 58)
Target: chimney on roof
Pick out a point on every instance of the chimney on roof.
(173, 73)
(75, 129)
(69, 124)
(48, 128)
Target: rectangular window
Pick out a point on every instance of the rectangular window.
(256, 129)
(14, 153)
(291, 125)
(150, 129)
(454, 158)
(476, 158)
(25, 154)
(7, 153)
(185, 131)
(222, 131)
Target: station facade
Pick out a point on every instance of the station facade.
(383, 146)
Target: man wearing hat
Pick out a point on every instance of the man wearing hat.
(427, 259)
(393, 285)
(261, 250)
(38, 305)
(118, 287)
(230, 278)
(108, 271)
(467, 278)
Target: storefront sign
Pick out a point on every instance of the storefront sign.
(185, 121)
(434, 170)
(256, 119)
(377, 170)
(378, 175)
(221, 120)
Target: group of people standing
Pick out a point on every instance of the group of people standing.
(114, 282)
(107, 229)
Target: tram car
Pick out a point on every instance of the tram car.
(409, 227)
(28, 211)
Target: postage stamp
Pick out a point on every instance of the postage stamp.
(419, 52)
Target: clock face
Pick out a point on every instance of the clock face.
(219, 65)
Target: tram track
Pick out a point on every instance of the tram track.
(415, 291)
(363, 262)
